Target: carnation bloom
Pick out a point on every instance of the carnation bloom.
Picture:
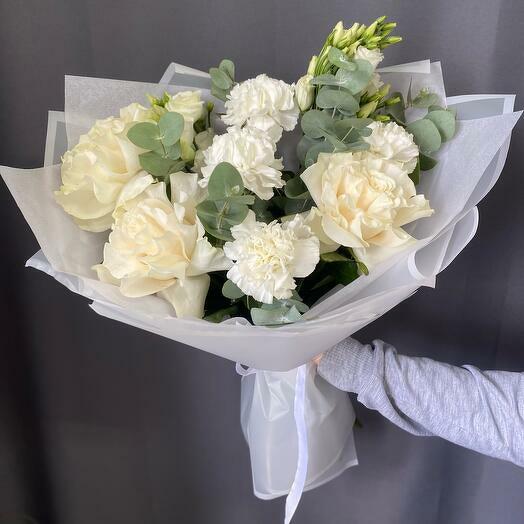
(97, 168)
(263, 103)
(393, 142)
(364, 201)
(268, 257)
(252, 153)
(158, 246)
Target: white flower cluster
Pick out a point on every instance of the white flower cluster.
(257, 111)
(268, 257)
(262, 103)
(363, 199)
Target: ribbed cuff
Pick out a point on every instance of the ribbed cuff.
(348, 366)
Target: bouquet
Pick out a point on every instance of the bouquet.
(264, 221)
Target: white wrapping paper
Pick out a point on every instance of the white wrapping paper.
(468, 167)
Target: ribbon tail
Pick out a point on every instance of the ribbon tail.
(297, 488)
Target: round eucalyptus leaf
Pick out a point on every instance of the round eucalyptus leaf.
(220, 79)
(231, 290)
(445, 122)
(225, 181)
(427, 162)
(228, 67)
(314, 151)
(276, 316)
(303, 146)
(171, 126)
(426, 135)
(329, 97)
(295, 188)
(355, 81)
(156, 165)
(145, 135)
(317, 124)
(339, 59)
(325, 80)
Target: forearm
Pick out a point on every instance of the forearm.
(483, 411)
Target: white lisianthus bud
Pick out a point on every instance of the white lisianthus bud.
(338, 33)
(305, 92)
(312, 65)
(190, 105)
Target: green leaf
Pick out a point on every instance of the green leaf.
(173, 152)
(223, 314)
(231, 290)
(356, 81)
(225, 181)
(445, 123)
(344, 272)
(221, 94)
(228, 67)
(158, 166)
(303, 146)
(316, 124)
(314, 151)
(295, 188)
(217, 217)
(145, 135)
(415, 174)
(339, 59)
(426, 135)
(397, 110)
(220, 79)
(329, 97)
(171, 125)
(292, 206)
(426, 162)
(325, 80)
(333, 257)
(425, 99)
(276, 316)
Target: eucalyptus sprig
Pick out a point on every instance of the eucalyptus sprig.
(222, 79)
(161, 140)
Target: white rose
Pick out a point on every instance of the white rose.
(188, 103)
(268, 257)
(364, 201)
(373, 56)
(158, 246)
(252, 152)
(393, 142)
(191, 106)
(263, 103)
(305, 92)
(98, 167)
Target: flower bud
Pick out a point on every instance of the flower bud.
(312, 65)
(305, 92)
(338, 33)
(367, 109)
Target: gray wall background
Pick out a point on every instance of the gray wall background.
(102, 423)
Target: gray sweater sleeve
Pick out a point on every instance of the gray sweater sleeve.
(481, 410)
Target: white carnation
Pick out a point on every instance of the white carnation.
(373, 56)
(268, 257)
(252, 152)
(393, 142)
(263, 103)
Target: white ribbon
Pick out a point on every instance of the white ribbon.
(297, 488)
